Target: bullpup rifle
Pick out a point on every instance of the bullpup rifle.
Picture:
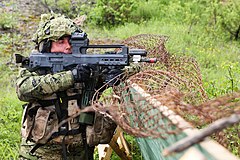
(56, 62)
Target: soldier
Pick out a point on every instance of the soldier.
(54, 97)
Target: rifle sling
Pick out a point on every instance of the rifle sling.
(56, 134)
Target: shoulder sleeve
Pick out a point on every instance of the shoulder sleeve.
(30, 86)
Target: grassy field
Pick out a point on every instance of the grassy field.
(219, 62)
(218, 57)
(10, 115)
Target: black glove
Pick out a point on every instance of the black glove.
(112, 73)
(81, 73)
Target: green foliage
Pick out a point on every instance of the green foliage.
(227, 80)
(112, 12)
(195, 28)
(11, 43)
(10, 115)
(159, 10)
(70, 8)
(217, 17)
(147, 10)
(213, 54)
(65, 5)
(133, 146)
(235, 140)
(7, 19)
(230, 18)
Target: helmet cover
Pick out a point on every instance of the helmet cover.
(54, 26)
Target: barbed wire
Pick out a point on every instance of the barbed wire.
(171, 87)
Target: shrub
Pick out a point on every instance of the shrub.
(7, 21)
(70, 8)
(230, 19)
(112, 12)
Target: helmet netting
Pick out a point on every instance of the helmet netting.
(54, 26)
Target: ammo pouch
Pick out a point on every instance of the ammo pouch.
(101, 131)
(39, 123)
(45, 124)
(38, 126)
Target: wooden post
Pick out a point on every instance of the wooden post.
(118, 144)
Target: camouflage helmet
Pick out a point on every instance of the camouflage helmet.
(54, 26)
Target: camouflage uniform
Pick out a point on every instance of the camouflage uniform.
(41, 91)
(31, 88)
(35, 89)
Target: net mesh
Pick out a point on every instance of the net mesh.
(140, 104)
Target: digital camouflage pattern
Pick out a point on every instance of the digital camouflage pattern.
(54, 26)
(30, 86)
(34, 87)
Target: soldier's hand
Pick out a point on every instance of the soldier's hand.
(81, 73)
(111, 76)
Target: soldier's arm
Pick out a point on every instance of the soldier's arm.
(30, 86)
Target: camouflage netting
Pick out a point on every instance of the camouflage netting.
(140, 104)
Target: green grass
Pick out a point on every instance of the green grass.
(218, 57)
(215, 59)
(10, 115)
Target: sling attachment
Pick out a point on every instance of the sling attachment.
(84, 138)
(64, 149)
(61, 104)
(35, 147)
(72, 132)
(61, 109)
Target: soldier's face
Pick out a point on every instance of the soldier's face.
(62, 45)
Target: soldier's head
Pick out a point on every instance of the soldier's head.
(54, 32)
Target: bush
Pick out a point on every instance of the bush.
(70, 8)
(7, 21)
(219, 18)
(230, 19)
(112, 12)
